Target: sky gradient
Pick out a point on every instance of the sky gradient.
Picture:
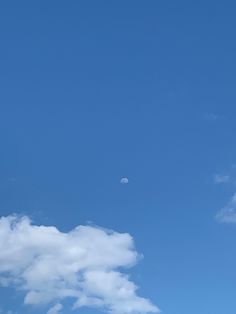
(95, 92)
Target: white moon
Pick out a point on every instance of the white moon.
(124, 180)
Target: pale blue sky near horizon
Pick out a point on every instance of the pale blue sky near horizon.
(94, 91)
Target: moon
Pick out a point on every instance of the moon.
(124, 180)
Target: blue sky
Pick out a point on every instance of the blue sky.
(93, 91)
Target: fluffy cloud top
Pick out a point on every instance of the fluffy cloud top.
(228, 213)
(83, 264)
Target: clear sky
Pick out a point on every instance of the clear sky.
(95, 91)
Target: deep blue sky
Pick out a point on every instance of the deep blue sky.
(91, 91)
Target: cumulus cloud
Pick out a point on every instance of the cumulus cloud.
(83, 265)
(228, 213)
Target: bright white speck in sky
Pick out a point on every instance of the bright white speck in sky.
(124, 180)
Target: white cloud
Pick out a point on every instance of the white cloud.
(228, 213)
(124, 180)
(218, 178)
(55, 309)
(83, 264)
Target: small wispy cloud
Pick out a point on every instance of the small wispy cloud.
(7, 312)
(211, 116)
(55, 309)
(227, 175)
(228, 213)
(219, 178)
